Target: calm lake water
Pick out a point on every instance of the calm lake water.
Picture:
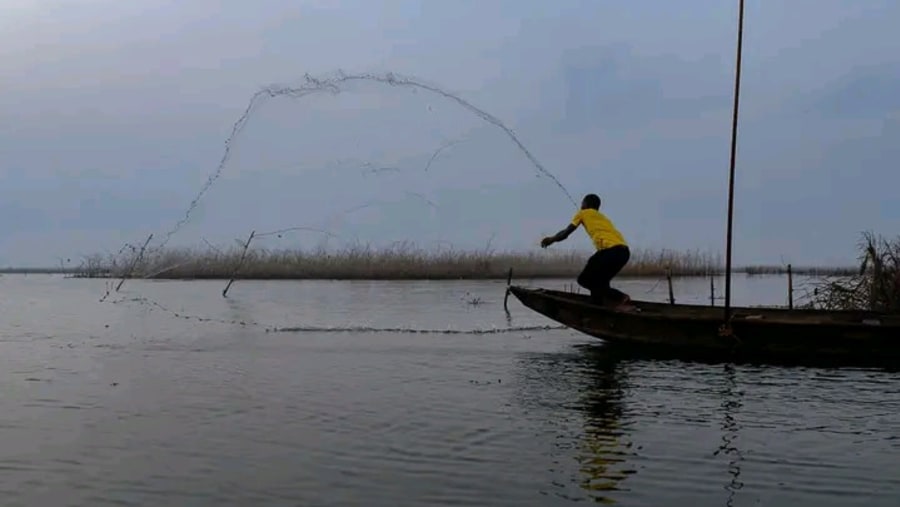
(387, 394)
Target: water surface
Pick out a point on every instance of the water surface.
(408, 393)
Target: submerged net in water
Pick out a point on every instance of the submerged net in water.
(875, 287)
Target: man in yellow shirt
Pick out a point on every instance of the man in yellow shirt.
(611, 256)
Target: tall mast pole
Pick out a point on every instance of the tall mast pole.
(734, 123)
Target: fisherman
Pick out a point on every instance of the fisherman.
(611, 256)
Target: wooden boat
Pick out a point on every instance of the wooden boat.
(813, 335)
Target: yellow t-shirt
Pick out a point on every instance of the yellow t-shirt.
(601, 231)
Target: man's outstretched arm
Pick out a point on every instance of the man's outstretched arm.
(559, 236)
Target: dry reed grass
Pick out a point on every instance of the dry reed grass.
(875, 286)
(403, 261)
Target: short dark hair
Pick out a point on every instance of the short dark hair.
(592, 201)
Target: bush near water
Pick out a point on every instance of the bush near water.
(875, 286)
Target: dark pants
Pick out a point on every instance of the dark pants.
(600, 270)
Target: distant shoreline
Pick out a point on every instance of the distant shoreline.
(363, 263)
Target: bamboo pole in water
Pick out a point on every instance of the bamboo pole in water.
(790, 288)
(734, 123)
(671, 292)
(134, 263)
(506, 296)
(239, 264)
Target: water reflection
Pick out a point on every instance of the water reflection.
(581, 395)
(588, 395)
(605, 445)
(731, 404)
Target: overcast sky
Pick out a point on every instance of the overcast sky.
(114, 114)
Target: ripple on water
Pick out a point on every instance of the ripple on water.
(156, 412)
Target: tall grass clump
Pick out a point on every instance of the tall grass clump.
(401, 261)
(874, 287)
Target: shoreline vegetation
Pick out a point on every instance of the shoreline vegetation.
(404, 262)
(874, 286)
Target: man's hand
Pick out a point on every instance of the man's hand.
(559, 236)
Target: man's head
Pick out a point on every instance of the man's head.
(590, 201)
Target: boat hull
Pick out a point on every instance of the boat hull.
(752, 332)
